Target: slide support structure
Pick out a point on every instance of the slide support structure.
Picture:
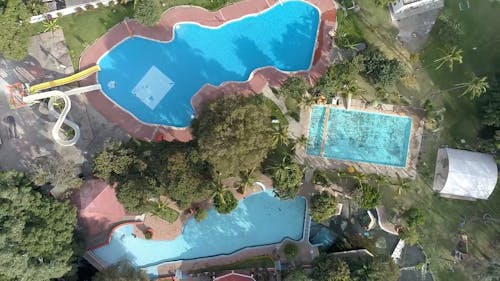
(61, 117)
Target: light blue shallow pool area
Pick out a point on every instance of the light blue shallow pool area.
(361, 136)
(260, 219)
(155, 81)
(316, 129)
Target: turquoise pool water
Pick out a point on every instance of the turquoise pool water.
(260, 219)
(364, 136)
(155, 81)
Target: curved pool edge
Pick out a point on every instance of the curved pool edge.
(305, 224)
(164, 32)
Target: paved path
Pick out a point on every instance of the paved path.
(384, 224)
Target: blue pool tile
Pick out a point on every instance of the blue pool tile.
(260, 219)
(155, 81)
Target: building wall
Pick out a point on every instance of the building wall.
(404, 8)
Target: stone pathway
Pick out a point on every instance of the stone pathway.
(295, 130)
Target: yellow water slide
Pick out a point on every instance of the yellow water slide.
(66, 80)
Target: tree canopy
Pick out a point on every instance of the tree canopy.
(491, 109)
(297, 275)
(323, 206)
(380, 268)
(287, 179)
(115, 161)
(369, 196)
(61, 174)
(294, 87)
(382, 70)
(122, 271)
(135, 193)
(328, 268)
(233, 134)
(147, 12)
(36, 237)
(181, 180)
(223, 198)
(16, 29)
(339, 76)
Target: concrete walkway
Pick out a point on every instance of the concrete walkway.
(295, 130)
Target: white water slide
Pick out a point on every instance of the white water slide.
(61, 117)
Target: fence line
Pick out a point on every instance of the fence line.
(74, 9)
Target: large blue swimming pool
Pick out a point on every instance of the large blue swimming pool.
(155, 81)
(260, 219)
(359, 136)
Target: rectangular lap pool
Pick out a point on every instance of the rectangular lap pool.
(359, 136)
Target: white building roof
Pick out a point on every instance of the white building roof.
(465, 174)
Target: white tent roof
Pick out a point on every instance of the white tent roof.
(465, 174)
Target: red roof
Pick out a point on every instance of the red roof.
(234, 277)
(98, 207)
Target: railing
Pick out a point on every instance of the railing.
(73, 9)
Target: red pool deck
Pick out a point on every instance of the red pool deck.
(163, 32)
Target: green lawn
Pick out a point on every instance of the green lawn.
(439, 235)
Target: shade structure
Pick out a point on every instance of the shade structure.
(233, 276)
(98, 208)
(464, 174)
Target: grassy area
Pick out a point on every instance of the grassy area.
(82, 29)
(275, 110)
(439, 235)
(164, 212)
(254, 262)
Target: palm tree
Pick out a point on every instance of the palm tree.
(50, 24)
(247, 178)
(280, 135)
(308, 100)
(475, 87)
(449, 57)
(350, 89)
(402, 184)
(218, 189)
(223, 199)
(360, 177)
(301, 141)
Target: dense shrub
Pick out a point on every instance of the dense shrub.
(233, 134)
(290, 250)
(448, 30)
(297, 275)
(287, 179)
(320, 178)
(148, 234)
(294, 87)
(329, 268)
(200, 215)
(382, 70)
(414, 217)
(16, 29)
(369, 196)
(122, 271)
(226, 203)
(323, 206)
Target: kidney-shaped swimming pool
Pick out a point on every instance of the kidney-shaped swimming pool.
(155, 81)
